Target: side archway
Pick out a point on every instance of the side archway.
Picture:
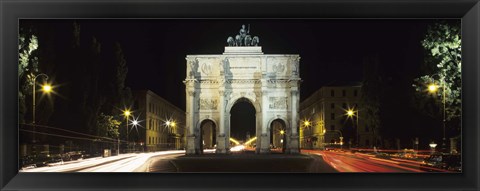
(206, 133)
(279, 131)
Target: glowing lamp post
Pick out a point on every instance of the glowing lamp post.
(282, 132)
(127, 113)
(47, 88)
(351, 113)
(432, 88)
(307, 135)
(432, 147)
(172, 124)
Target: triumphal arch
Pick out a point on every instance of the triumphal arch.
(215, 83)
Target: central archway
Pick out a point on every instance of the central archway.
(242, 120)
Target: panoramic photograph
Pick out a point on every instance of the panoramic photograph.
(240, 95)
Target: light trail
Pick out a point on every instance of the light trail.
(121, 163)
(362, 162)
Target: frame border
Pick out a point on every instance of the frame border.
(12, 10)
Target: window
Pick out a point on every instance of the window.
(344, 105)
(344, 93)
(332, 116)
(149, 140)
(355, 93)
(332, 127)
(367, 143)
(367, 129)
(332, 105)
(332, 93)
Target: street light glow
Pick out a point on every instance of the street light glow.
(350, 113)
(234, 141)
(173, 124)
(282, 132)
(432, 88)
(135, 122)
(126, 113)
(168, 123)
(250, 141)
(306, 123)
(47, 88)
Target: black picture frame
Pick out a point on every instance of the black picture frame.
(11, 11)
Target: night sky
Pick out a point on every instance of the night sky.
(331, 50)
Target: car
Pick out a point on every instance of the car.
(450, 162)
(55, 160)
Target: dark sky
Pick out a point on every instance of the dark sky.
(330, 49)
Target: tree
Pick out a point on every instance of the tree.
(27, 65)
(34, 59)
(372, 87)
(107, 126)
(442, 67)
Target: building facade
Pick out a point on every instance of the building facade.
(333, 117)
(163, 124)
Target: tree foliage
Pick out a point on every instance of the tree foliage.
(27, 65)
(371, 94)
(442, 44)
(89, 74)
(107, 126)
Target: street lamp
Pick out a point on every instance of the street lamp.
(432, 147)
(282, 133)
(47, 88)
(306, 134)
(127, 113)
(432, 88)
(351, 113)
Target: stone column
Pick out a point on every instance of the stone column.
(263, 141)
(191, 146)
(223, 143)
(293, 138)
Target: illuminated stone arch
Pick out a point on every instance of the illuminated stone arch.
(214, 83)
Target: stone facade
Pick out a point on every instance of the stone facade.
(326, 110)
(214, 83)
(154, 112)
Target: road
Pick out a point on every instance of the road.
(310, 161)
(133, 162)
